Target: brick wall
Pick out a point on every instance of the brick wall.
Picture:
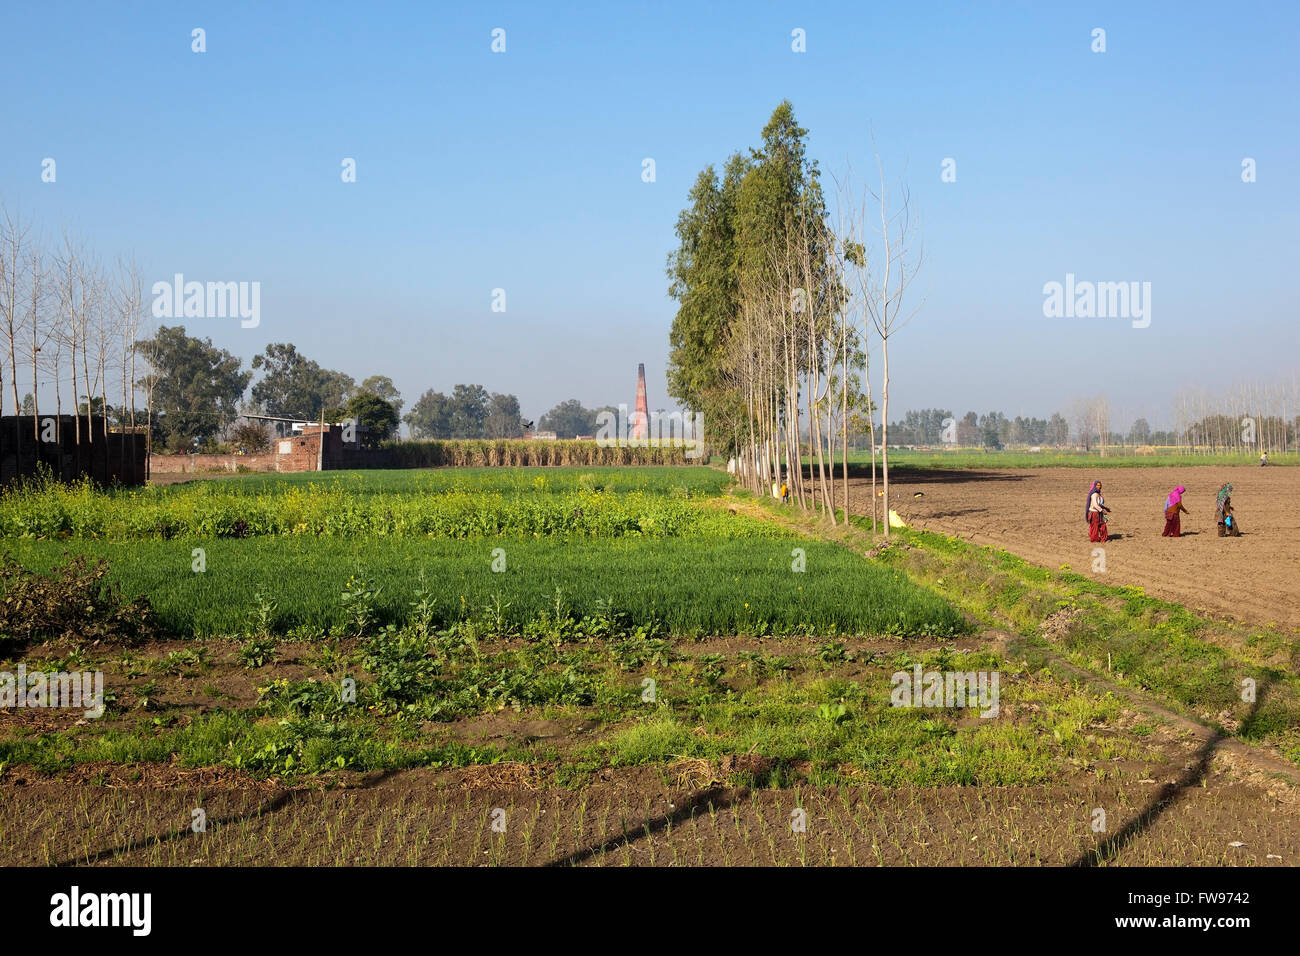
(294, 453)
(190, 464)
(62, 444)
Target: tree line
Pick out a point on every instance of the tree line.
(1241, 431)
(82, 329)
(780, 307)
(787, 306)
(68, 317)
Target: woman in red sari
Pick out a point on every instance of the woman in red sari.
(1173, 514)
(1096, 514)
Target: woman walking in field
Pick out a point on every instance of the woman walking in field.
(1096, 514)
(1173, 514)
(1223, 513)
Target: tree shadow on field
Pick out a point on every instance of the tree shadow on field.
(1167, 796)
(958, 512)
(713, 796)
(911, 475)
(263, 809)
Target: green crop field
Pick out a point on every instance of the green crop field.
(498, 546)
(743, 585)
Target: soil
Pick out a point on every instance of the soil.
(1184, 810)
(1191, 798)
(1038, 515)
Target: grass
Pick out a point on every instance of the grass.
(803, 716)
(1194, 664)
(873, 742)
(684, 585)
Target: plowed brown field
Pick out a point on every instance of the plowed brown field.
(1038, 515)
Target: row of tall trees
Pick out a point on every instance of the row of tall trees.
(1250, 417)
(81, 331)
(777, 307)
(1247, 419)
(68, 319)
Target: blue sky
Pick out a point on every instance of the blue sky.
(522, 171)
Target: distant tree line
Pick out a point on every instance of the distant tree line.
(937, 426)
(1091, 429)
(470, 411)
(197, 394)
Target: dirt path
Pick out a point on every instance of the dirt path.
(1038, 514)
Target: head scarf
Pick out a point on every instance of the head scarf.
(1224, 493)
(1175, 497)
(1087, 505)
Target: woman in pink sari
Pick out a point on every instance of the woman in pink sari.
(1173, 511)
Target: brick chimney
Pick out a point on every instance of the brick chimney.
(641, 422)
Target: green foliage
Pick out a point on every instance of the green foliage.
(690, 586)
(251, 437)
(359, 601)
(335, 509)
(374, 414)
(197, 386)
(577, 544)
(257, 652)
(471, 453)
(469, 412)
(261, 618)
(400, 665)
(383, 386)
(293, 386)
(833, 713)
(569, 419)
(725, 238)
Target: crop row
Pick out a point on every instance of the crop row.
(668, 481)
(333, 512)
(683, 586)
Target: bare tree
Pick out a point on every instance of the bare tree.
(14, 267)
(38, 330)
(129, 301)
(889, 278)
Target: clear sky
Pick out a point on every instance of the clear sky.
(522, 171)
